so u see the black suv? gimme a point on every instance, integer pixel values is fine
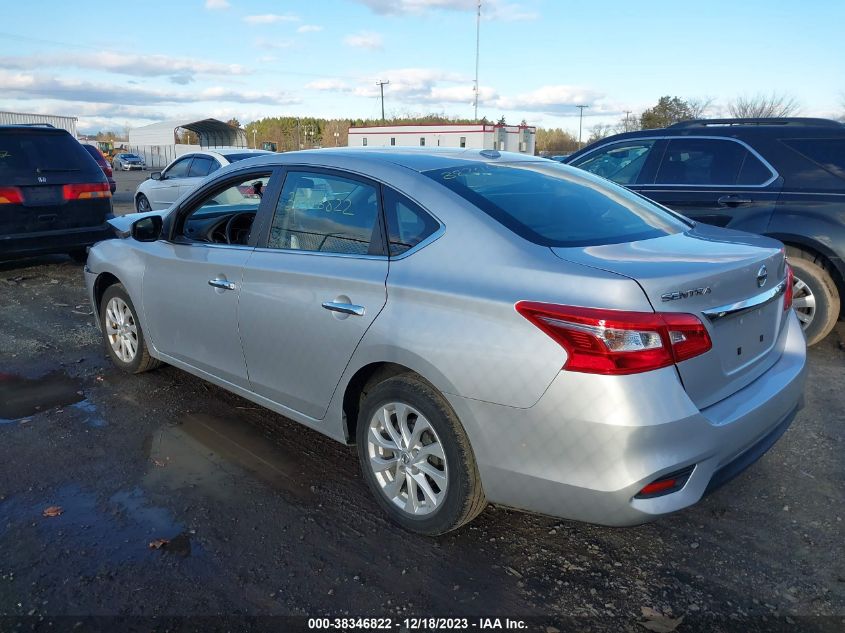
(779, 177)
(54, 198)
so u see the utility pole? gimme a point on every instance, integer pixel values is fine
(254, 132)
(477, 49)
(580, 120)
(627, 112)
(381, 85)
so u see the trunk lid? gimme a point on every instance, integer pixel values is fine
(713, 274)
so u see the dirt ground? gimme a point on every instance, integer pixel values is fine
(267, 518)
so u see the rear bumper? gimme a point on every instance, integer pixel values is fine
(593, 442)
(46, 242)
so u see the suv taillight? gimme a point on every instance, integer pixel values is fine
(10, 195)
(787, 293)
(616, 341)
(86, 191)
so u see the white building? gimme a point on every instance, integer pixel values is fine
(510, 138)
(23, 118)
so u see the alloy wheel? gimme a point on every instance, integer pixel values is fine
(143, 204)
(407, 459)
(804, 303)
(121, 329)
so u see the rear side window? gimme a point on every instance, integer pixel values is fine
(553, 205)
(620, 162)
(200, 167)
(325, 213)
(25, 154)
(700, 161)
(828, 153)
(407, 223)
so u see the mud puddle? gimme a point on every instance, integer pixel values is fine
(21, 397)
(212, 453)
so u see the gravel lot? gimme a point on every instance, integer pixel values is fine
(266, 517)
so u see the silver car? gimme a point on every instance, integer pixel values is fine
(484, 326)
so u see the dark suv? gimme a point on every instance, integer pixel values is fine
(54, 198)
(779, 177)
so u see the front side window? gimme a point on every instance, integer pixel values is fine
(325, 213)
(552, 205)
(179, 169)
(407, 223)
(620, 162)
(225, 215)
(697, 161)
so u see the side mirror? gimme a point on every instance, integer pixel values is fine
(156, 175)
(147, 229)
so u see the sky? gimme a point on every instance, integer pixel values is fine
(121, 64)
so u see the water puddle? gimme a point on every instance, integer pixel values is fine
(212, 453)
(89, 410)
(21, 397)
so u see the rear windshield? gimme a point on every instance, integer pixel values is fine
(550, 205)
(30, 153)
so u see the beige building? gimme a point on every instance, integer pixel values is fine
(510, 138)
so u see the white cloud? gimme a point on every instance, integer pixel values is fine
(269, 18)
(30, 86)
(364, 39)
(212, 5)
(181, 70)
(273, 44)
(552, 99)
(309, 28)
(331, 85)
(490, 10)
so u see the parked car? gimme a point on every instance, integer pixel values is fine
(163, 188)
(54, 197)
(127, 162)
(784, 178)
(97, 155)
(484, 326)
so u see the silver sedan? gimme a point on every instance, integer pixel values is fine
(483, 326)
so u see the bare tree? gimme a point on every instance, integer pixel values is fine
(700, 107)
(763, 106)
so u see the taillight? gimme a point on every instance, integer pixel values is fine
(10, 195)
(787, 294)
(107, 170)
(86, 191)
(617, 341)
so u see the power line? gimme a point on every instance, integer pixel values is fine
(381, 85)
(477, 50)
(580, 119)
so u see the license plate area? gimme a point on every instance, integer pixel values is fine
(42, 196)
(743, 339)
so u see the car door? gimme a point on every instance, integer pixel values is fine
(716, 181)
(312, 287)
(200, 167)
(192, 280)
(165, 191)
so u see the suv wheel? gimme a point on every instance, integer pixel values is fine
(815, 297)
(416, 457)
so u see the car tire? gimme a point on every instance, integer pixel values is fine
(815, 297)
(119, 320)
(142, 205)
(417, 463)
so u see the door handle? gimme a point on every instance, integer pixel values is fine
(733, 201)
(221, 283)
(344, 308)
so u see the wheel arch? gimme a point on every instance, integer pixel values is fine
(102, 283)
(821, 255)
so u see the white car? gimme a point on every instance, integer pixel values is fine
(163, 188)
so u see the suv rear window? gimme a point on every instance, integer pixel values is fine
(548, 204)
(828, 153)
(25, 153)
